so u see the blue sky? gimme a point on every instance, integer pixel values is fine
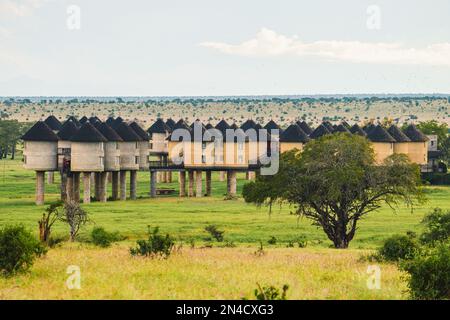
(205, 47)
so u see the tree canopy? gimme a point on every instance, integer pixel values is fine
(335, 182)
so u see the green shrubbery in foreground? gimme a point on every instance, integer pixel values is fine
(18, 249)
(427, 262)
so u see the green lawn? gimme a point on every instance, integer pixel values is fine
(185, 218)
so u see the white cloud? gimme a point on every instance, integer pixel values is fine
(270, 43)
(19, 8)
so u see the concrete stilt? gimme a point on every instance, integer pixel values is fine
(222, 176)
(123, 185)
(208, 183)
(50, 177)
(153, 175)
(231, 183)
(198, 184)
(182, 181)
(40, 187)
(63, 186)
(76, 186)
(92, 178)
(115, 185)
(86, 187)
(190, 183)
(133, 180)
(69, 187)
(103, 182)
(97, 185)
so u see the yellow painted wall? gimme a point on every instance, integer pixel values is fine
(286, 146)
(382, 150)
(401, 147)
(418, 152)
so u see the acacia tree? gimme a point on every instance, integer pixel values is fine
(335, 182)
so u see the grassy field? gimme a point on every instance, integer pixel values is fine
(312, 272)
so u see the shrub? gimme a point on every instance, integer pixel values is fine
(18, 249)
(270, 293)
(214, 232)
(437, 227)
(429, 274)
(156, 245)
(398, 247)
(101, 237)
(272, 240)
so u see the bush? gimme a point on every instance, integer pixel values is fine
(101, 237)
(214, 232)
(18, 249)
(270, 293)
(156, 245)
(398, 247)
(437, 227)
(429, 274)
(272, 240)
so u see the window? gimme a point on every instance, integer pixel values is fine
(137, 145)
(136, 160)
(117, 146)
(101, 160)
(151, 145)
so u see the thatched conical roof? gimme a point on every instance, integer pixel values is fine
(40, 131)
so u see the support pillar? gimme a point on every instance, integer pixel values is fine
(97, 185)
(50, 177)
(103, 181)
(222, 176)
(40, 187)
(86, 187)
(198, 184)
(191, 183)
(115, 185)
(182, 180)
(208, 183)
(69, 187)
(76, 187)
(63, 186)
(123, 185)
(231, 183)
(133, 176)
(153, 175)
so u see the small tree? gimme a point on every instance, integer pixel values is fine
(75, 216)
(49, 217)
(335, 182)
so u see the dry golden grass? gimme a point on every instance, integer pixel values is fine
(202, 273)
